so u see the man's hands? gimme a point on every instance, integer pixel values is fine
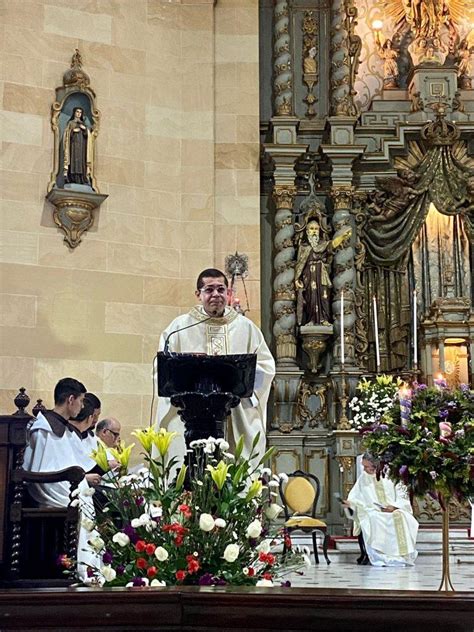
(93, 479)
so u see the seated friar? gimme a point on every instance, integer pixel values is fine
(55, 444)
(52, 441)
(384, 517)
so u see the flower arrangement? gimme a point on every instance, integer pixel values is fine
(376, 400)
(209, 529)
(425, 439)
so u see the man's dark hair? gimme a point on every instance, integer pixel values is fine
(102, 425)
(86, 411)
(93, 399)
(68, 386)
(214, 273)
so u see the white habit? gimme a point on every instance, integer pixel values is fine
(390, 538)
(231, 334)
(55, 445)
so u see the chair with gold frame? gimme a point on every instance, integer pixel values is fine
(300, 496)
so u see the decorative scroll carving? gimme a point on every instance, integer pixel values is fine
(283, 286)
(310, 60)
(314, 416)
(283, 78)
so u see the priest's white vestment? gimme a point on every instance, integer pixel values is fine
(231, 334)
(390, 538)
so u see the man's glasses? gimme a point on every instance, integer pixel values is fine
(116, 434)
(210, 289)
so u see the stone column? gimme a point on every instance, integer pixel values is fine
(340, 75)
(282, 77)
(284, 307)
(344, 274)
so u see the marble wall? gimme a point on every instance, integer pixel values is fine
(177, 86)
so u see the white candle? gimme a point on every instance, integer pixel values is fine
(376, 333)
(342, 326)
(415, 331)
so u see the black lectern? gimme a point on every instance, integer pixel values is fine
(204, 388)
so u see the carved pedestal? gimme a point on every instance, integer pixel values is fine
(315, 338)
(74, 212)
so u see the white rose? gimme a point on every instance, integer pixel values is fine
(157, 582)
(231, 552)
(108, 573)
(121, 539)
(254, 529)
(88, 524)
(97, 544)
(136, 522)
(264, 546)
(161, 554)
(206, 522)
(264, 582)
(272, 511)
(220, 523)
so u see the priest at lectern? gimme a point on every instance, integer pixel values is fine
(214, 328)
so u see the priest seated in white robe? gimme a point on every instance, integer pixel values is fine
(383, 515)
(214, 328)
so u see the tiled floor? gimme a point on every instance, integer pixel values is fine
(423, 576)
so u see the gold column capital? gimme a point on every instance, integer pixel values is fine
(284, 195)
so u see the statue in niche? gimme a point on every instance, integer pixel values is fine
(78, 150)
(463, 63)
(390, 63)
(309, 62)
(312, 280)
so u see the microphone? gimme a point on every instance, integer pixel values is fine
(167, 341)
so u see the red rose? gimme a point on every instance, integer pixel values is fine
(141, 562)
(270, 558)
(267, 576)
(152, 571)
(251, 571)
(140, 546)
(178, 540)
(185, 510)
(150, 549)
(180, 575)
(262, 557)
(193, 565)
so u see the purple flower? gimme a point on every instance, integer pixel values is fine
(443, 413)
(421, 387)
(138, 581)
(120, 570)
(383, 427)
(218, 581)
(126, 503)
(403, 472)
(441, 383)
(464, 388)
(107, 557)
(139, 501)
(90, 572)
(286, 584)
(132, 534)
(206, 580)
